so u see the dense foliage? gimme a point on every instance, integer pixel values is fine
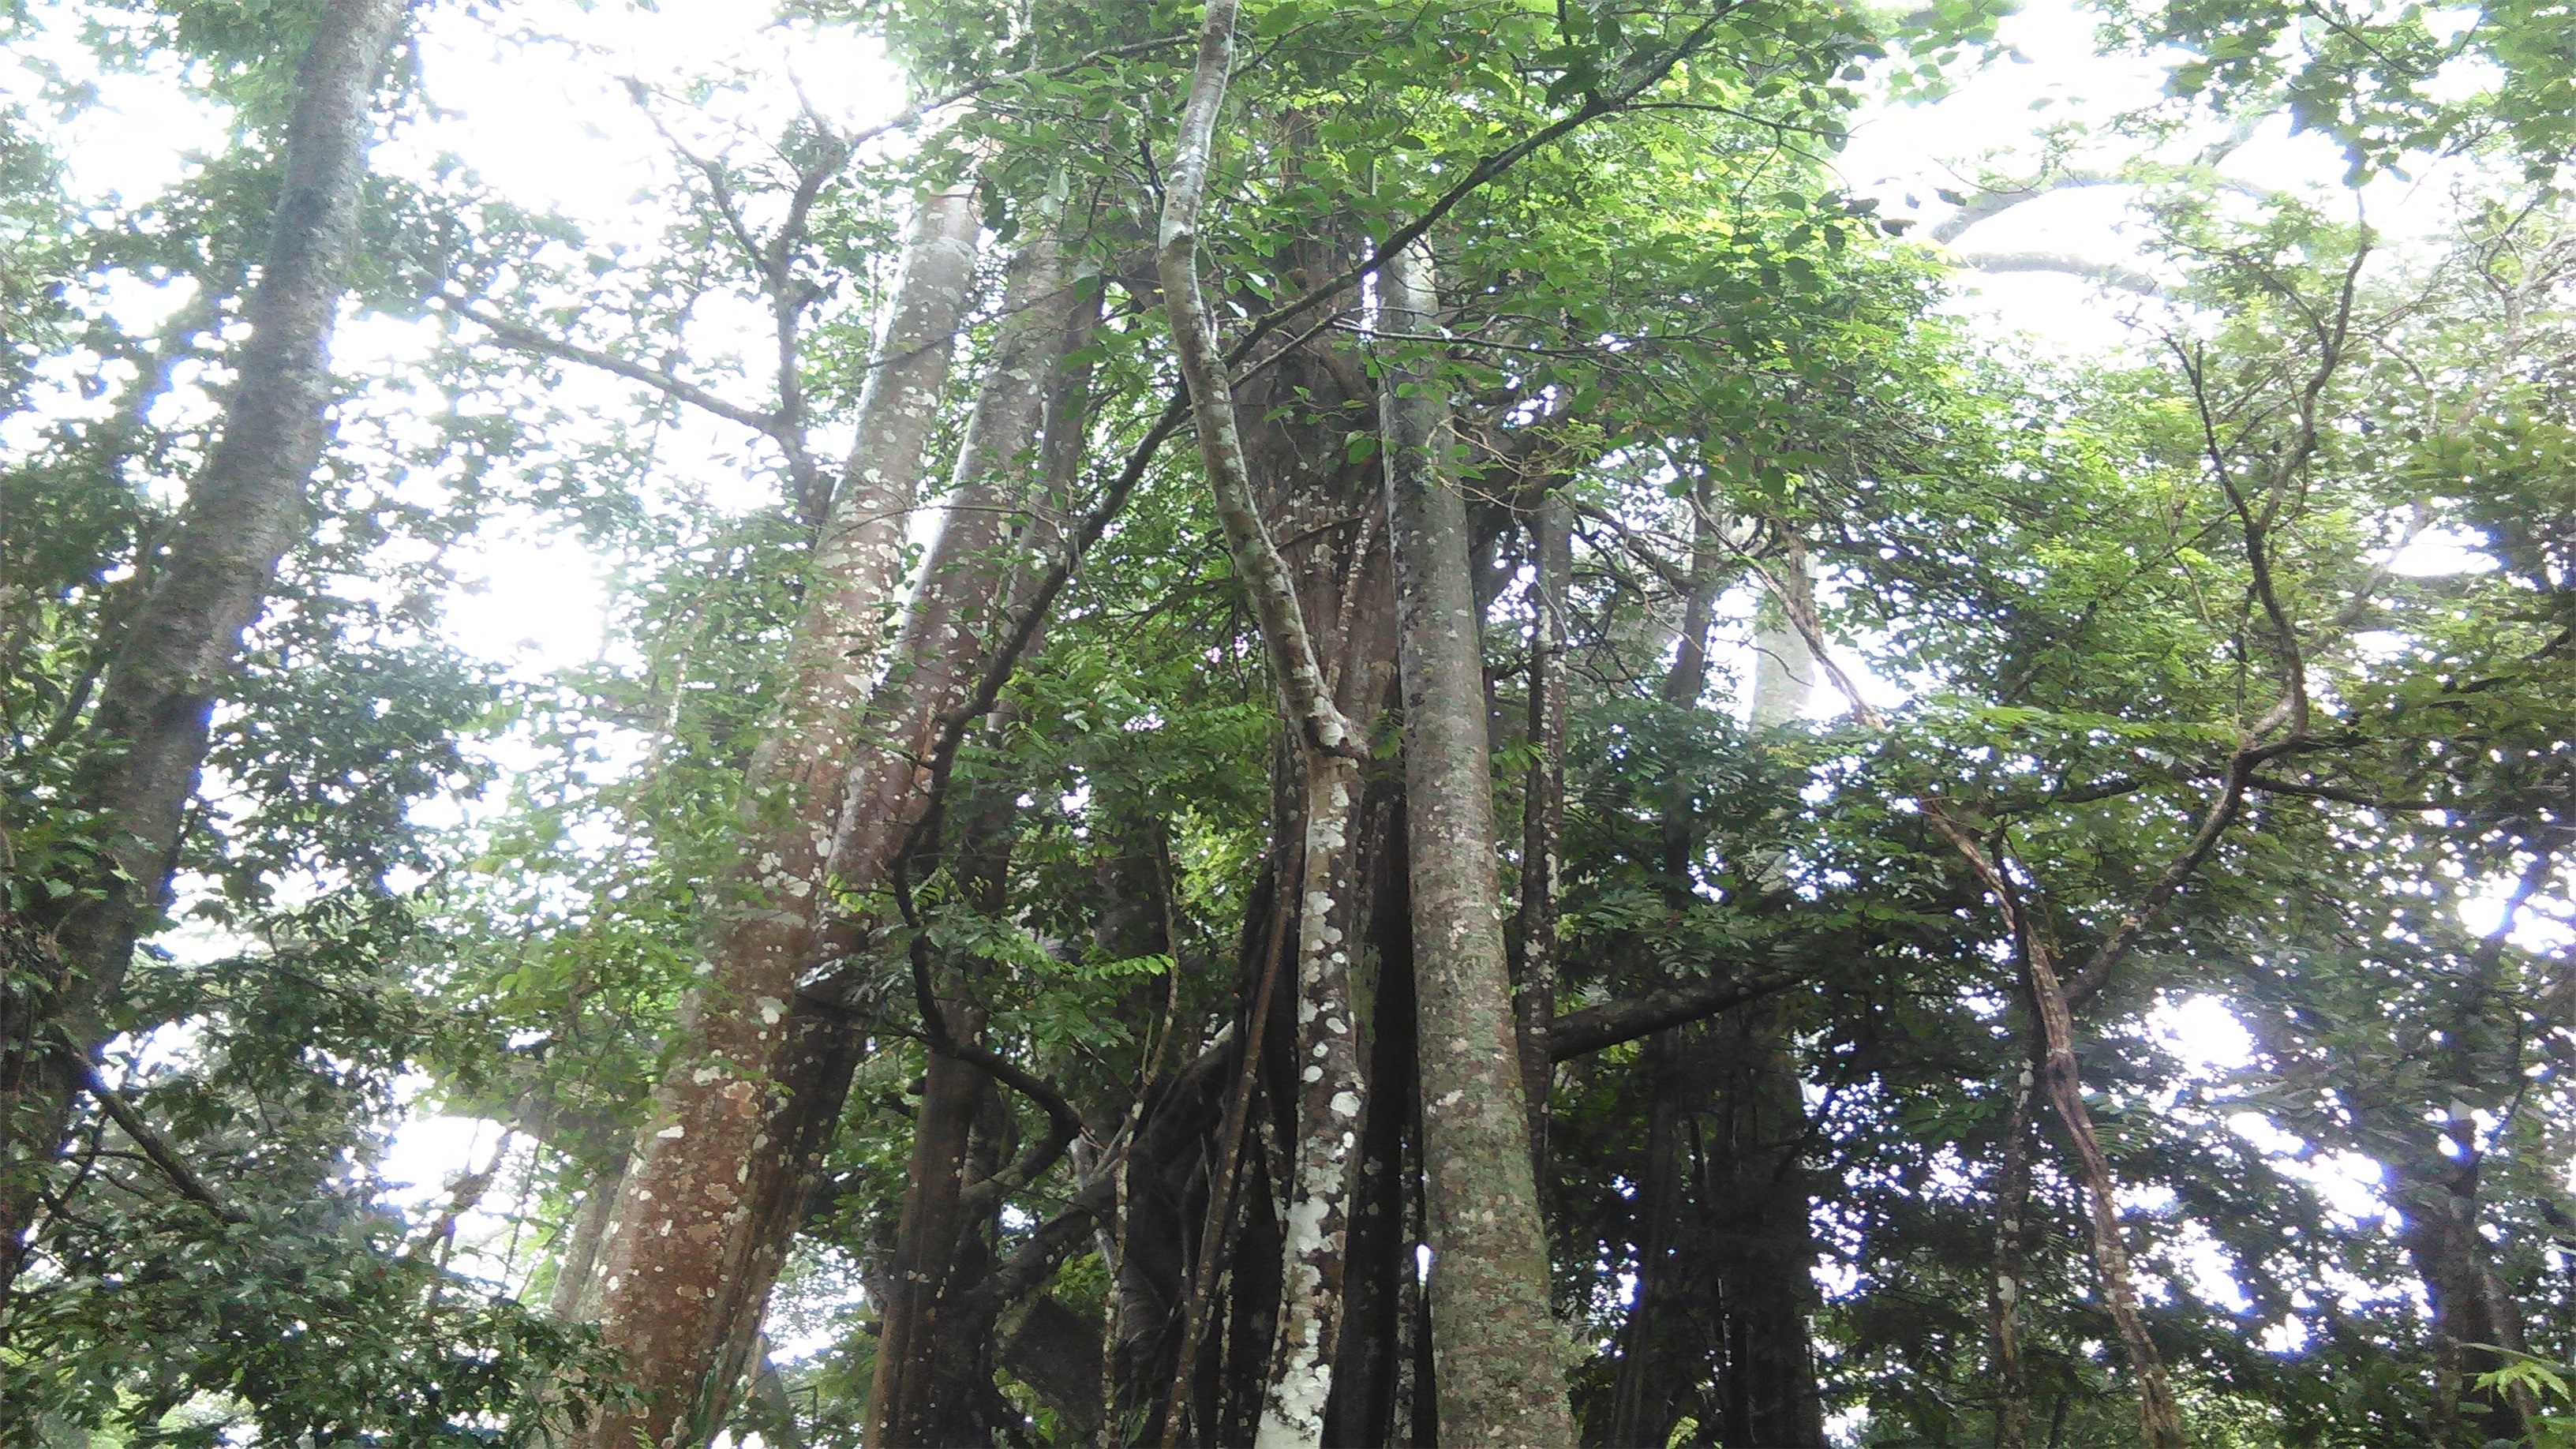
(2037, 886)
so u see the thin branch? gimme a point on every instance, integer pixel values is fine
(530, 339)
(913, 114)
(156, 1147)
(1494, 164)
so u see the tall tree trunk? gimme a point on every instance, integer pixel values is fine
(1327, 1089)
(2477, 1328)
(1500, 1356)
(1784, 668)
(245, 509)
(966, 575)
(576, 1267)
(1651, 1376)
(1381, 1262)
(1329, 1096)
(698, 1240)
(1768, 1383)
(1543, 813)
(1757, 1220)
(2004, 1292)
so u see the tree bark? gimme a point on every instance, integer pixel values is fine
(576, 1266)
(1329, 1090)
(2160, 1420)
(1499, 1355)
(2003, 1296)
(245, 509)
(901, 1406)
(1381, 1263)
(912, 1401)
(1543, 814)
(698, 1241)
(1649, 1379)
(1759, 1230)
(2477, 1328)
(1329, 1098)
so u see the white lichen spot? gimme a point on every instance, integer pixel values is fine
(674, 1131)
(1346, 1104)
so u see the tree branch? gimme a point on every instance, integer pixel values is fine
(1595, 1028)
(530, 339)
(157, 1148)
(2109, 274)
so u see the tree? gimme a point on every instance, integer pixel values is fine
(147, 738)
(2031, 912)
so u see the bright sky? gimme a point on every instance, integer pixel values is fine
(554, 129)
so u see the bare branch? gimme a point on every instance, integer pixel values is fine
(2109, 274)
(530, 339)
(1597, 1027)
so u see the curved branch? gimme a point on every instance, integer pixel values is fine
(2109, 274)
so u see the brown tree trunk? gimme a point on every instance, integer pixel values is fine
(245, 509)
(1381, 1261)
(902, 1403)
(576, 1267)
(698, 1240)
(933, 669)
(1500, 1356)
(2477, 1326)
(1649, 1377)
(1764, 1245)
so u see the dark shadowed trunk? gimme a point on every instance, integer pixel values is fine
(1757, 1217)
(1380, 1262)
(244, 510)
(2003, 1294)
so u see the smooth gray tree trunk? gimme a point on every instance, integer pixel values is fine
(1500, 1359)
